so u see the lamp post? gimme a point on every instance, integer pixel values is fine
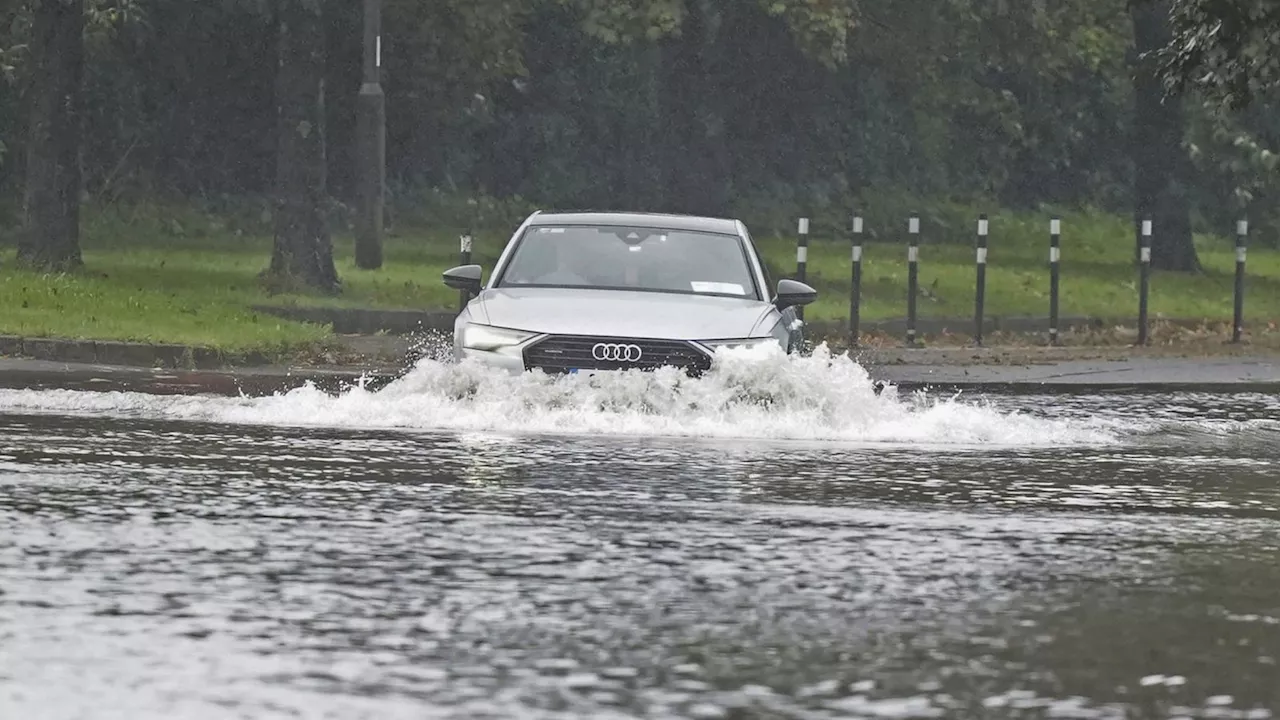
(372, 152)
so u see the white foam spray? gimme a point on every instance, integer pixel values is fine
(755, 394)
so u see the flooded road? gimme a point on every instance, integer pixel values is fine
(1057, 556)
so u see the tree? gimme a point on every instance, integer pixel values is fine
(371, 139)
(1225, 53)
(575, 103)
(302, 256)
(695, 157)
(694, 69)
(1161, 165)
(1228, 48)
(50, 239)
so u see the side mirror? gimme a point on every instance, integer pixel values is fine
(792, 293)
(464, 277)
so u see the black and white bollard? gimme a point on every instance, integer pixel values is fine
(1242, 250)
(855, 292)
(802, 257)
(464, 258)
(1144, 285)
(1055, 257)
(980, 296)
(913, 259)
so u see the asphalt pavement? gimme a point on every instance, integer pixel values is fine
(1144, 373)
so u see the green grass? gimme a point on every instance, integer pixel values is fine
(165, 274)
(176, 276)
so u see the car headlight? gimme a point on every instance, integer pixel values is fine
(743, 343)
(487, 337)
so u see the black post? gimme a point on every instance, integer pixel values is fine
(855, 294)
(913, 257)
(981, 295)
(802, 257)
(1055, 256)
(1242, 249)
(464, 258)
(372, 143)
(1144, 287)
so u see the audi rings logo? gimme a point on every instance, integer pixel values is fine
(616, 353)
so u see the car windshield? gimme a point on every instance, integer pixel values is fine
(630, 258)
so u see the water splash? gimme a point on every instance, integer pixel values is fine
(756, 394)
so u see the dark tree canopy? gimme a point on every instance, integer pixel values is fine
(1160, 164)
(303, 252)
(580, 102)
(50, 237)
(1229, 48)
(755, 107)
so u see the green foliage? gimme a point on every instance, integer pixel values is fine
(1228, 48)
(615, 22)
(977, 95)
(1226, 55)
(15, 23)
(795, 105)
(103, 16)
(822, 28)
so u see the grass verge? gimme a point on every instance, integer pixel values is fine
(178, 275)
(175, 275)
(1098, 276)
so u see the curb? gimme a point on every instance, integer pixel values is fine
(1051, 387)
(256, 382)
(362, 321)
(103, 352)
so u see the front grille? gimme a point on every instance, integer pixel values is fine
(564, 353)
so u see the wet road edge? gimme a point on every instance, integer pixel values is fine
(1225, 375)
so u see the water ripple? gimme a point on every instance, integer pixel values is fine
(152, 568)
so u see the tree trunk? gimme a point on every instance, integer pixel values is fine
(50, 239)
(371, 144)
(1161, 165)
(303, 253)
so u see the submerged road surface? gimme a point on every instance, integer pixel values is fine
(317, 557)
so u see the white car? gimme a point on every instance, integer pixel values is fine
(617, 291)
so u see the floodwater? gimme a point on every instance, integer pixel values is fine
(772, 541)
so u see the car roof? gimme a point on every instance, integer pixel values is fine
(692, 223)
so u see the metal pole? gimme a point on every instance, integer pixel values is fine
(1242, 249)
(980, 298)
(372, 141)
(1144, 257)
(464, 258)
(855, 295)
(1055, 256)
(913, 257)
(802, 257)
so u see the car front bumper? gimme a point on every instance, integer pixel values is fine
(556, 354)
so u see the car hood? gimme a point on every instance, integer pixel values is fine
(620, 313)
